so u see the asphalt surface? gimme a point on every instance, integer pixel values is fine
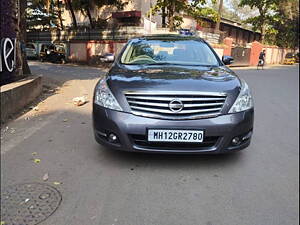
(258, 186)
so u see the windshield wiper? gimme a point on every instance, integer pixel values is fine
(159, 63)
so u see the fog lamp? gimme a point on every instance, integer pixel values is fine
(236, 141)
(112, 138)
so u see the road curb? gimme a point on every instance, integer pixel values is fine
(15, 96)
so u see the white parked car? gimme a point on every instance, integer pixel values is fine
(31, 51)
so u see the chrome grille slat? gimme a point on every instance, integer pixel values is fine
(168, 98)
(150, 103)
(167, 105)
(174, 117)
(172, 94)
(204, 104)
(157, 105)
(170, 112)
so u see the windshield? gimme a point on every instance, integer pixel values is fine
(183, 52)
(30, 46)
(60, 48)
(289, 55)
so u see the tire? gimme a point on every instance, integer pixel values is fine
(63, 61)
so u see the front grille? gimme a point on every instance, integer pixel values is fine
(157, 104)
(142, 142)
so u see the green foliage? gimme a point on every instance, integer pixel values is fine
(260, 4)
(46, 14)
(199, 12)
(286, 24)
(42, 14)
(175, 9)
(85, 6)
(278, 21)
(171, 7)
(233, 11)
(265, 8)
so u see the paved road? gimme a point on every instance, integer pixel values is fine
(258, 186)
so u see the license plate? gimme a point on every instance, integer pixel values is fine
(175, 135)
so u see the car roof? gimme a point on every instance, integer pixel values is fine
(173, 37)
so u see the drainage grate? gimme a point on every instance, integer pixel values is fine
(28, 204)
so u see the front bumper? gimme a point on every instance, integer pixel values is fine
(131, 131)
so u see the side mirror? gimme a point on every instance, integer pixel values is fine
(108, 58)
(227, 60)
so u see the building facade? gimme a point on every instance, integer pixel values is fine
(135, 11)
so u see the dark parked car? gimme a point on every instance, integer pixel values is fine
(172, 94)
(53, 53)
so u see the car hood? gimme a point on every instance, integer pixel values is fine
(162, 78)
(123, 78)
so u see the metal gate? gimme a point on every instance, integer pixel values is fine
(241, 56)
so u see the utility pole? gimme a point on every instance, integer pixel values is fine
(217, 28)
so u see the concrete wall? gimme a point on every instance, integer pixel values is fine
(228, 46)
(219, 51)
(256, 49)
(78, 52)
(275, 55)
(209, 37)
(81, 52)
(118, 47)
(98, 48)
(15, 96)
(189, 23)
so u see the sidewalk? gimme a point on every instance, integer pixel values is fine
(270, 66)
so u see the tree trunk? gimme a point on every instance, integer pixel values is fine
(163, 17)
(262, 12)
(171, 11)
(59, 15)
(22, 36)
(263, 32)
(217, 28)
(88, 12)
(70, 7)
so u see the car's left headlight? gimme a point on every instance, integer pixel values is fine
(244, 100)
(104, 97)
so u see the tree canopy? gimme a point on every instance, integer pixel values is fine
(45, 14)
(175, 9)
(85, 7)
(42, 14)
(278, 21)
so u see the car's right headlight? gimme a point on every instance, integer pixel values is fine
(244, 101)
(104, 97)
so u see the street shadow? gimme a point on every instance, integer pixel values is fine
(54, 79)
(62, 73)
(71, 135)
(139, 159)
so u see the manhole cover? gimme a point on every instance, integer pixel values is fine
(28, 204)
